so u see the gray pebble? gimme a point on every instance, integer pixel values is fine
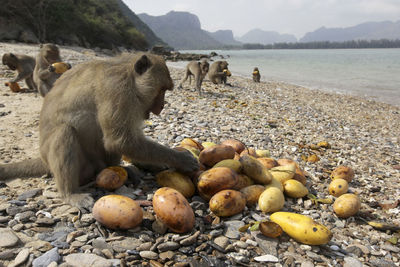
(45, 259)
(150, 255)
(168, 246)
(352, 262)
(8, 238)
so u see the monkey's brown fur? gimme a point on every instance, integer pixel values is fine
(24, 65)
(44, 75)
(94, 115)
(216, 72)
(256, 75)
(198, 70)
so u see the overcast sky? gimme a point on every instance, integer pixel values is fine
(284, 16)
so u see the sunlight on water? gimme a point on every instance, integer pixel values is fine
(374, 73)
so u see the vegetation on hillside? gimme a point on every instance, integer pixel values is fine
(86, 22)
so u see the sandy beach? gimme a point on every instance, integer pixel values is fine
(285, 119)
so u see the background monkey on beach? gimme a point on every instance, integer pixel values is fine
(94, 115)
(198, 70)
(218, 72)
(256, 75)
(44, 74)
(24, 65)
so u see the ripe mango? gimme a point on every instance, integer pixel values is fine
(302, 228)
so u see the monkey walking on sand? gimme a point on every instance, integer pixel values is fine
(198, 70)
(24, 65)
(256, 75)
(92, 116)
(44, 74)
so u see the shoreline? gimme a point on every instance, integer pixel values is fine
(322, 89)
(368, 74)
(283, 118)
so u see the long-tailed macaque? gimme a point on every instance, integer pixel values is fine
(44, 74)
(94, 115)
(199, 70)
(218, 72)
(24, 65)
(256, 75)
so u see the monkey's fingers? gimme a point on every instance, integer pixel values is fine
(187, 162)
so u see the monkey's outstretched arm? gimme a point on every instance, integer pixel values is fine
(145, 150)
(22, 75)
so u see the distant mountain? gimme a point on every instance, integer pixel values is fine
(257, 36)
(365, 31)
(181, 30)
(151, 38)
(224, 37)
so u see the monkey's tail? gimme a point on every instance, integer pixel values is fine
(26, 168)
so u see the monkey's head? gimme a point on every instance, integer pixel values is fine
(10, 60)
(50, 52)
(255, 69)
(204, 66)
(223, 65)
(152, 79)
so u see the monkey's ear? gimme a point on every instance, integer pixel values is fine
(142, 65)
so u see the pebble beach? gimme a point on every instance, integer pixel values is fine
(38, 229)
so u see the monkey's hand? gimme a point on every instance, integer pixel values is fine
(51, 68)
(80, 201)
(186, 162)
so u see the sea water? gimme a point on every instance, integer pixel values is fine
(371, 73)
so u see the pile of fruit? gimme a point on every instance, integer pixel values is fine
(230, 178)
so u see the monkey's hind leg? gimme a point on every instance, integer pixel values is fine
(31, 85)
(184, 79)
(69, 166)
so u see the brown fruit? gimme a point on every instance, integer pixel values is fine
(236, 144)
(338, 187)
(117, 212)
(268, 162)
(346, 205)
(61, 67)
(212, 155)
(216, 179)
(227, 203)
(172, 208)
(14, 87)
(270, 229)
(177, 181)
(299, 175)
(343, 172)
(112, 178)
(243, 181)
(252, 193)
(193, 143)
(249, 151)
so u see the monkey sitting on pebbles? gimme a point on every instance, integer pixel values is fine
(92, 116)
